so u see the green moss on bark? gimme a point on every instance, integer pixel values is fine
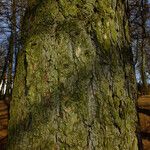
(74, 94)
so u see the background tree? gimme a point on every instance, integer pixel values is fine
(2, 58)
(139, 23)
(4, 34)
(10, 24)
(75, 77)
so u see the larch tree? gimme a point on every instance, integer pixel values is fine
(74, 87)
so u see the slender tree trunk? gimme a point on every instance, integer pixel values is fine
(12, 48)
(143, 52)
(143, 70)
(75, 86)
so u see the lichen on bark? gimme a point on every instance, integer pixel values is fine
(73, 80)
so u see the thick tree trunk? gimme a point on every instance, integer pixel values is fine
(75, 86)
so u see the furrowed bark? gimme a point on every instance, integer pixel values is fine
(75, 85)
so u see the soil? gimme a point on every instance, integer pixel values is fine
(144, 119)
(3, 124)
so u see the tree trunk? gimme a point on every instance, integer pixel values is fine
(11, 49)
(143, 52)
(75, 85)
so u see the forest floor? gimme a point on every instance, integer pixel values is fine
(143, 113)
(144, 119)
(3, 124)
